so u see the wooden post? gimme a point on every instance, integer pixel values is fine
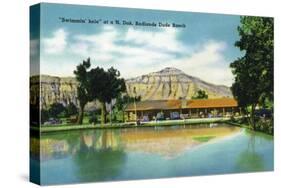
(223, 112)
(240, 111)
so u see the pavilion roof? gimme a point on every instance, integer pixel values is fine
(184, 104)
(212, 103)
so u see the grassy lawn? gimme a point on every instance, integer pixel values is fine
(86, 125)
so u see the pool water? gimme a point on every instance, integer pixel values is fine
(148, 152)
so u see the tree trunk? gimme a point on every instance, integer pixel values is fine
(253, 106)
(80, 115)
(103, 113)
(123, 116)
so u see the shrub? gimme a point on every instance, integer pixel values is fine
(71, 110)
(265, 125)
(56, 109)
(93, 117)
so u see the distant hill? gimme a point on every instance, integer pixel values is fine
(169, 83)
(55, 89)
(172, 83)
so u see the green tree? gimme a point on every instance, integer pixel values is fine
(97, 84)
(122, 102)
(253, 72)
(71, 109)
(200, 94)
(56, 109)
(105, 86)
(81, 75)
(93, 116)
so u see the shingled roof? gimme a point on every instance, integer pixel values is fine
(154, 105)
(212, 103)
(177, 104)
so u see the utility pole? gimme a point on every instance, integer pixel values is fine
(111, 112)
(135, 105)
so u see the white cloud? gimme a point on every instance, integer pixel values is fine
(166, 39)
(145, 47)
(135, 52)
(207, 63)
(55, 44)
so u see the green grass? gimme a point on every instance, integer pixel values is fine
(86, 125)
(55, 128)
(203, 138)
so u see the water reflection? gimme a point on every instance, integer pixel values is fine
(100, 156)
(168, 142)
(63, 144)
(115, 154)
(172, 141)
(250, 159)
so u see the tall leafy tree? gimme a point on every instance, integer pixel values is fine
(97, 84)
(122, 102)
(105, 86)
(253, 71)
(81, 75)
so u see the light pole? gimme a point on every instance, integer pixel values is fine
(135, 93)
(111, 112)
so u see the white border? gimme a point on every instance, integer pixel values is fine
(14, 77)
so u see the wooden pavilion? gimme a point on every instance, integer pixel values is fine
(195, 108)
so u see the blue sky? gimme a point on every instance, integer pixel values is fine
(204, 48)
